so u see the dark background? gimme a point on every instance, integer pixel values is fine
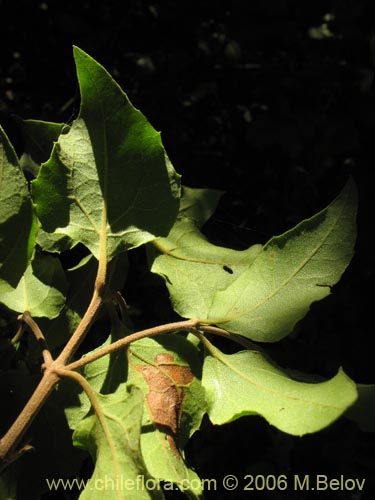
(269, 100)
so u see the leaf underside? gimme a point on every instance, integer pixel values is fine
(41, 290)
(260, 293)
(109, 176)
(113, 439)
(107, 183)
(174, 406)
(17, 222)
(247, 383)
(108, 375)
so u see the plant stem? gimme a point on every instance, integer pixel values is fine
(188, 325)
(27, 415)
(214, 330)
(90, 393)
(50, 376)
(27, 318)
(59, 367)
(83, 327)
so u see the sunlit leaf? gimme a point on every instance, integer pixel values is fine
(193, 268)
(108, 176)
(292, 271)
(260, 293)
(247, 383)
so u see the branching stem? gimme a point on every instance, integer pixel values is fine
(11, 439)
(80, 379)
(51, 367)
(26, 318)
(78, 336)
(62, 367)
(55, 369)
(188, 325)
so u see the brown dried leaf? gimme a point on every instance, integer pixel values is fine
(166, 381)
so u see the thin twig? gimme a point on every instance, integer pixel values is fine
(26, 318)
(190, 325)
(231, 336)
(17, 337)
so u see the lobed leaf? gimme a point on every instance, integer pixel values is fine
(260, 293)
(247, 383)
(41, 290)
(163, 459)
(292, 271)
(112, 437)
(18, 226)
(167, 371)
(39, 137)
(193, 268)
(109, 176)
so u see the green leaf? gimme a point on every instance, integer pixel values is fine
(292, 271)
(53, 242)
(168, 372)
(259, 293)
(193, 268)
(112, 437)
(199, 204)
(104, 376)
(39, 137)
(247, 383)
(41, 290)
(81, 280)
(8, 485)
(109, 177)
(18, 226)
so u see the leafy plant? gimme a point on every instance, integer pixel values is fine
(105, 183)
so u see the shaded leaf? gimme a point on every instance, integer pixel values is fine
(39, 137)
(104, 375)
(18, 226)
(109, 176)
(81, 281)
(113, 440)
(363, 410)
(8, 486)
(247, 383)
(168, 371)
(41, 290)
(53, 242)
